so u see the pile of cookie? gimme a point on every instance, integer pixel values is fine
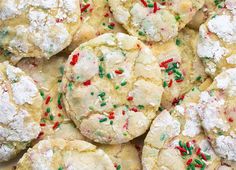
(117, 84)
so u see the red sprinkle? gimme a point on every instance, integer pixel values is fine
(180, 149)
(134, 109)
(198, 151)
(55, 125)
(112, 24)
(188, 144)
(171, 72)
(170, 83)
(106, 15)
(155, 8)
(130, 98)
(144, 3)
(85, 7)
(47, 100)
(42, 124)
(87, 83)
(123, 112)
(198, 165)
(203, 156)
(59, 106)
(74, 59)
(179, 81)
(230, 119)
(164, 63)
(111, 115)
(46, 114)
(118, 71)
(189, 161)
(126, 124)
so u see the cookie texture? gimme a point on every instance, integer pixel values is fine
(154, 20)
(96, 19)
(112, 88)
(20, 111)
(37, 28)
(217, 38)
(61, 154)
(176, 141)
(216, 109)
(180, 66)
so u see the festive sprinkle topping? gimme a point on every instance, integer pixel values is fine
(144, 3)
(47, 100)
(155, 8)
(84, 8)
(55, 126)
(87, 83)
(164, 63)
(74, 59)
(103, 120)
(130, 98)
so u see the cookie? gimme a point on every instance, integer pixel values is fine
(62, 154)
(181, 67)
(216, 45)
(112, 88)
(20, 111)
(216, 109)
(154, 20)
(38, 28)
(96, 19)
(176, 141)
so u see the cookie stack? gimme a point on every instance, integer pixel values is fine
(117, 84)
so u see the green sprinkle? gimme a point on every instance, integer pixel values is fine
(59, 98)
(118, 167)
(203, 166)
(61, 69)
(102, 94)
(140, 107)
(141, 33)
(150, 5)
(101, 59)
(164, 84)
(162, 137)
(48, 110)
(109, 75)
(177, 42)
(180, 143)
(101, 71)
(117, 87)
(51, 117)
(199, 78)
(192, 166)
(115, 106)
(42, 94)
(198, 161)
(123, 83)
(60, 168)
(177, 17)
(111, 27)
(92, 93)
(208, 157)
(111, 122)
(161, 108)
(103, 120)
(125, 134)
(70, 85)
(103, 104)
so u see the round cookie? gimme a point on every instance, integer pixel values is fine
(181, 67)
(154, 20)
(176, 141)
(217, 111)
(38, 28)
(112, 88)
(96, 19)
(63, 154)
(20, 111)
(217, 38)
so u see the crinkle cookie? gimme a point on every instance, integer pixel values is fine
(154, 20)
(62, 154)
(96, 19)
(38, 28)
(217, 111)
(20, 111)
(217, 39)
(112, 88)
(176, 141)
(181, 67)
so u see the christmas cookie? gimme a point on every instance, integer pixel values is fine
(20, 111)
(112, 88)
(154, 20)
(38, 28)
(62, 154)
(181, 67)
(176, 141)
(217, 38)
(217, 111)
(96, 19)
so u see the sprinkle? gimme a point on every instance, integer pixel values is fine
(125, 126)
(203, 156)
(42, 94)
(70, 85)
(189, 161)
(144, 3)
(51, 117)
(103, 104)
(102, 94)
(111, 122)
(56, 124)
(59, 99)
(85, 8)
(164, 63)
(140, 107)
(60, 168)
(141, 33)
(109, 75)
(101, 71)
(87, 83)
(150, 5)
(199, 78)
(177, 17)
(179, 80)
(134, 109)
(42, 124)
(74, 59)
(47, 100)
(106, 15)
(103, 120)
(164, 84)
(198, 161)
(170, 83)
(59, 106)
(198, 151)
(230, 119)
(118, 167)
(155, 8)
(123, 112)
(48, 110)
(130, 98)
(188, 144)
(177, 42)
(123, 83)
(198, 165)
(181, 149)
(111, 115)
(119, 71)
(117, 87)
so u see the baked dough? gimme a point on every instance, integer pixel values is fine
(112, 88)
(20, 111)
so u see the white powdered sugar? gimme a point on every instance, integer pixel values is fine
(24, 90)
(209, 111)
(6, 152)
(224, 26)
(231, 59)
(208, 48)
(12, 72)
(225, 146)
(227, 81)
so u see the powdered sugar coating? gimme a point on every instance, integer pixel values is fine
(20, 113)
(157, 22)
(60, 153)
(43, 27)
(115, 82)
